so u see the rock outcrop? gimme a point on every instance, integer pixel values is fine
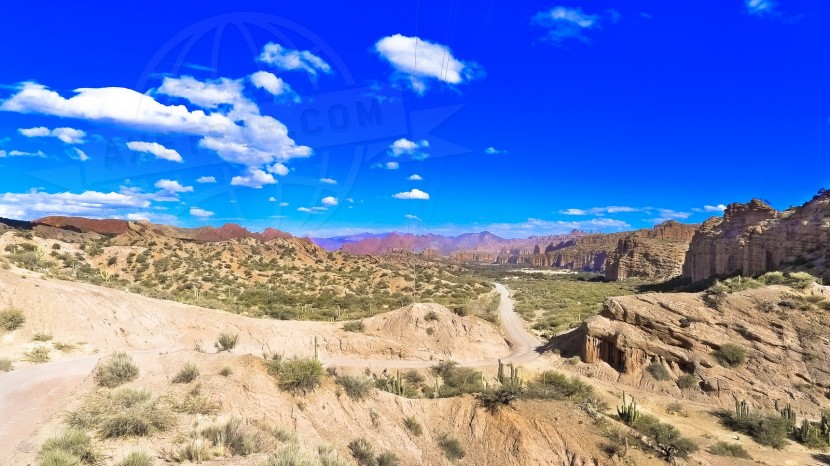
(754, 238)
(651, 253)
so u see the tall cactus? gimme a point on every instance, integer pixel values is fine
(316, 349)
(501, 372)
(741, 409)
(436, 390)
(628, 412)
(396, 385)
(805, 432)
(788, 413)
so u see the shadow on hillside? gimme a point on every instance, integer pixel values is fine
(822, 458)
(568, 344)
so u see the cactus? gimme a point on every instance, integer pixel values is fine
(804, 432)
(500, 375)
(824, 426)
(395, 385)
(316, 349)
(437, 388)
(628, 413)
(741, 409)
(788, 413)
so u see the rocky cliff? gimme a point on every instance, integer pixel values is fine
(754, 238)
(651, 253)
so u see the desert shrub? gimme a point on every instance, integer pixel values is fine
(41, 337)
(801, 280)
(456, 380)
(687, 381)
(194, 402)
(116, 370)
(388, 458)
(122, 413)
(187, 373)
(6, 365)
(658, 371)
(235, 437)
(298, 375)
(37, 355)
(194, 450)
(676, 408)
(11, 320)
(291, 455)
(414, 377)
(226, 341)
(732, 450)
(226, 371)
(771, 430)
(730, 355)
(413, 426)
(507, 393)
(356, 387)
(71, 447)
(283, 435)
(558, 386)
(431, 316)
(668, 439)
(773, 278)
(64, 347)
(451, 447)
(363, 452)
(354, 326)
(739, 283)
(137, 458)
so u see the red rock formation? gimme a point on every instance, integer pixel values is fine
(651, 253)
(86, 225)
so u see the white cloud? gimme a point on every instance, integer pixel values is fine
(493, 151)
(272, 199)
(287, 59)
(305, 209)
(205, 94)
(420, 61)
(36, 203)
(156, 149)
(535, 226)
(668, 214)
(412, 217)
(760, 7)
(67, 135)
(173, 186)
(392, 165)
(254, 179)
(19, 153)
(329, 200)
(240, 136)
(350, 200)
(271, 83)
(564, 23)
(81, 154)
(197, 212)
(414, 194)
(714, 208)
(283, 204)
(278, 169)
(600, 210)
(403, 146)
(415, 177)
(328, 180)
(206, 179)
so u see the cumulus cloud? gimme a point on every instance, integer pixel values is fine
(669, 214)
(306, 210)
(760, 7)
(600, 210)
(197, 212)
(420, 61)
(67, 135)
(272, 199)
(239, 135)
(415, 177)
(36, 203)
(412, 217)
(253, 179)
(535, 226)
(283, 204)
(329, 201)
(206, 179)
(328, 180)
(391, 165)
(566, 23)
(403, 146)
(271, 83)
(414, 194)
(173, 186)
(20, 153)
(286, 59)
(493, 151)
(156, 149)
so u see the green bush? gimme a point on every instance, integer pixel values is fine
(116, 370)
(298, 375)
(356, 387)
(354, 326)
(11, 320)
(658, 371)
(37, 355)
(504, 395)
(771, 430)
(41, 337)
(71, 447)
(557, 386)
(6, 365)
(732, 450)
(187, 374)
(451, 447)
(226, 371)
(414, 426)
(363, 452)
(122, 413)
(388, 458)
(236, 437)
(226, 341)
(456, 380)
(687, 381)
(137, 458)
(668, 439)
(730, 355)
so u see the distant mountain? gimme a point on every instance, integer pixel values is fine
(430, 243)
(335, 243)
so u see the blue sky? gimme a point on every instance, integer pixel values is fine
(528, 118)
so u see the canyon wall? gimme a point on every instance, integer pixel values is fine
(651, 253)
